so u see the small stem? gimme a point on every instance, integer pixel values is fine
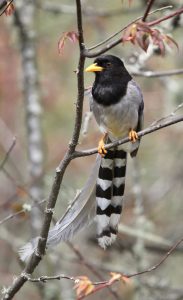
(149, 4)
(116, 42)
(5, 4)
(148, 130)
(176, 13)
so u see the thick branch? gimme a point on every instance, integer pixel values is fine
(40, 251)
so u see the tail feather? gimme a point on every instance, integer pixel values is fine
(80, 213)
(103, 197)
(110, 195)
(118, 190)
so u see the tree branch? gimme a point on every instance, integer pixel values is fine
(176, 13)
(40, 251)
(125, 27)
(4, 5)
(152, 128)
(8, 154)
(120, 40)
(116, 276)
(153, 268)
(148, 7)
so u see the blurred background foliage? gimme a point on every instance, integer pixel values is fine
(153, 203)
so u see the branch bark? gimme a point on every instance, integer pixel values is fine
(37, 256)
(152, 128)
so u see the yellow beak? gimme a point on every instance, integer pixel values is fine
(94, 68)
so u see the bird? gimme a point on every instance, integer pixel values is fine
(117, 104)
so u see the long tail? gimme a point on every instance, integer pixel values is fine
(80, 213)
(109, 195)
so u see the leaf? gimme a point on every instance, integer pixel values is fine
(72, 36)
(114, 277)
(10, 9)
(170, 41)
(83, 286)
(143, 40)
(141, 33)
(130, 34)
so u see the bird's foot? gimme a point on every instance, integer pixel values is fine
(133, 136)
(101, 147)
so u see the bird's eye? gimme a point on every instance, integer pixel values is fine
(108, 64)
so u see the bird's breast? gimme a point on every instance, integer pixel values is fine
(116, 119)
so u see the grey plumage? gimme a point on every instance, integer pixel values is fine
(79, 214)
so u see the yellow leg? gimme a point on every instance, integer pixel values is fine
(133, 136)
(101, 146)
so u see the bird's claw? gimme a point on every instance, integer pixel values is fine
(101, 148)
(133, 136)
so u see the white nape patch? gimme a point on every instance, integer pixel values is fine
(104, 183)
(120, 162)
(114, 220)
(117, 200)
(102, 222)
(107, 163)
(117, 181)
(103, 203)
(104, 241)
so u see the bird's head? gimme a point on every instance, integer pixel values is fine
(106, 64)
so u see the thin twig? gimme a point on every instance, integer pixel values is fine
(125, 27)
(90, 267)
(47, 278)
(153, 268)
(11, 216)
(8, 154)
(27, 208)
(5, 4)
(123, 276)
(158, 21)
(148, 7)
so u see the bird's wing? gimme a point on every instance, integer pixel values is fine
(140, 106)
(79, 214)
(141, 117)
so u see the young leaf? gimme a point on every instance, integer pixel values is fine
(83, 286)
(170, 41)
(72, 36)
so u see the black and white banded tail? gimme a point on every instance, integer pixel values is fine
(109, 195)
